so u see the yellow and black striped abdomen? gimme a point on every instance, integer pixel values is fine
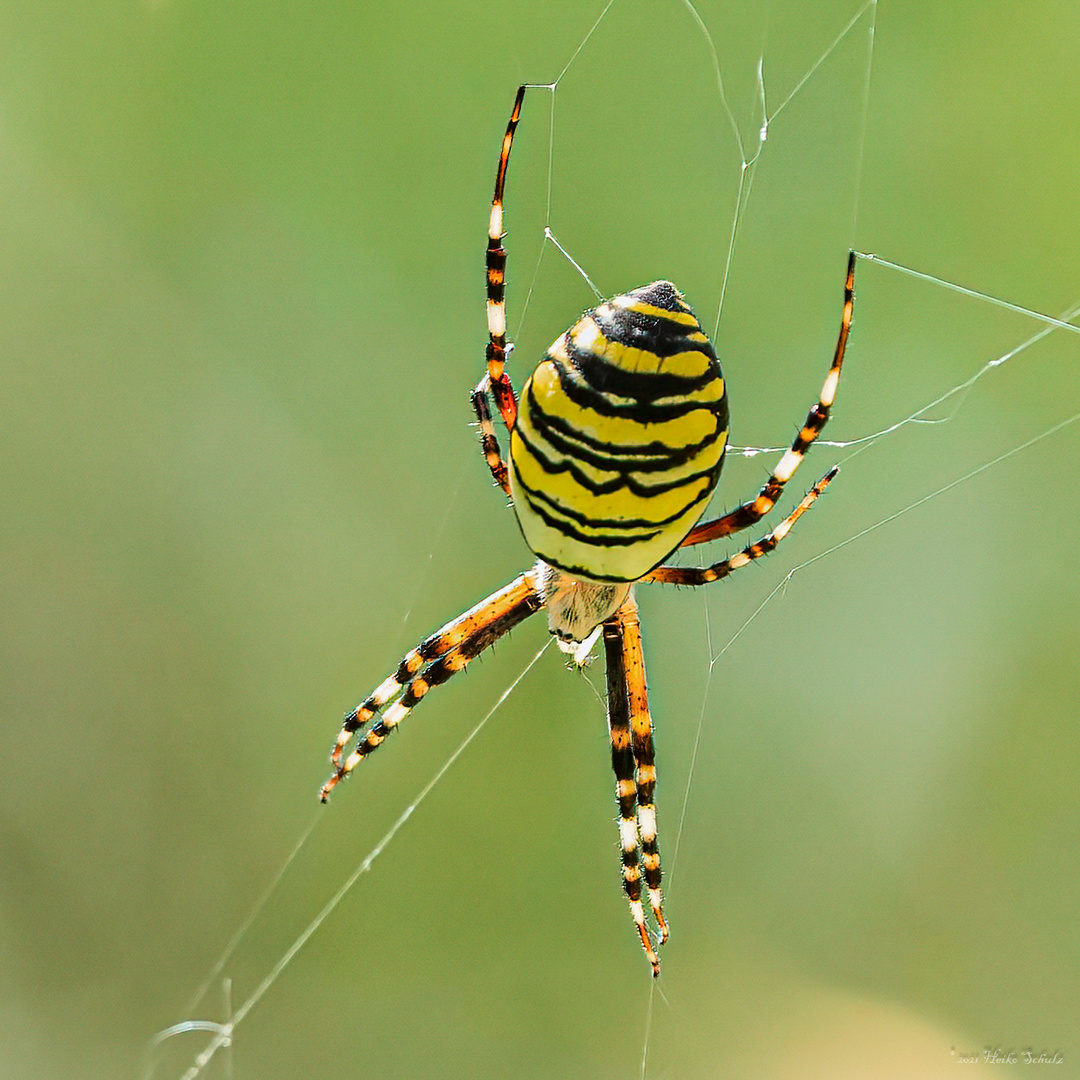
(620, 437)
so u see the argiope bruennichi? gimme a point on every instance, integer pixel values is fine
(616, 446)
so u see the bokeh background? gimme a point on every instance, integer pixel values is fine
(241, 294)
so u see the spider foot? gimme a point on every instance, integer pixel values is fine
(650, 952)
(324, 791)
(353, 722)
(638, 913)
(664, 931)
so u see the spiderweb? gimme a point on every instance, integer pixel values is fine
(810, 724)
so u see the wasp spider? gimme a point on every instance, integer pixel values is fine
(615, 447)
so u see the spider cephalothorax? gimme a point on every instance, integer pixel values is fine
(576, 607)
(615, 449)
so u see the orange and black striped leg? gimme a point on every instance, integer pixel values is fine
(702, 575)
(749, 513)
(498, 380)
(489, 443)
(431, 663)
(644, 756)
(621, 704)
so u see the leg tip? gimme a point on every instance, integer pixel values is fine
(324, 791)
(650, 952)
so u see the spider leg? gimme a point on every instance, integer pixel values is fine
(702, 575)
(496, 381)
(489, 443)
(644, 756)
(431, 663)
(633, 762)
(750, 512)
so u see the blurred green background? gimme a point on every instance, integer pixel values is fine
(241, 290)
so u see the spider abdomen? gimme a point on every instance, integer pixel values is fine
(620, 437)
